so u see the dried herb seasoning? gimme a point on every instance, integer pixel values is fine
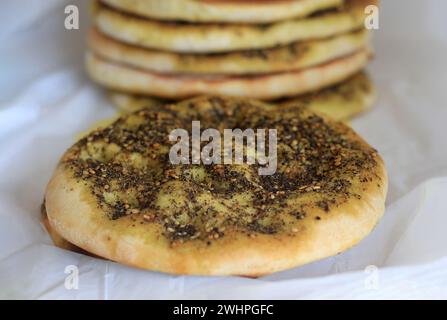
(126, 167)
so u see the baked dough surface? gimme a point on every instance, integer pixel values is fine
(265, 87)
(342, 101)
(247, 11)
(285, 58)
(214, 37)
(115, 194)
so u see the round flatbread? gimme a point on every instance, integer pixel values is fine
(340, 102)
(223, 10)
(265, 87)
(206, 38)
(285, 58)
(116, 194)
(127, 103)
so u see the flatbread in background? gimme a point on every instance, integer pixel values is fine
(127, 103)
(206, 38)
(295, 56)
(265, 87)
(340, 102)
(246, 11)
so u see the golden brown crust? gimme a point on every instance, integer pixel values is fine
(207, 38)
(264, 87)
(55, 237)
(126, 103)
(285, 58)
(58, 240)
(325, 228)
(259, 11)
(342, 101)
(265, 254)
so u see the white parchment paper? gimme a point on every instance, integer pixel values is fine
(46, 100)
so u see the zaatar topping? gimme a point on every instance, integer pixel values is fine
(126, 167)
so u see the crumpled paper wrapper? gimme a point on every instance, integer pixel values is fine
(47, 101)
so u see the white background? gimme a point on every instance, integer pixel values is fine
(46, 100)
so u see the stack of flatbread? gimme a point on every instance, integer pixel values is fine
(114, 193)
(310, 51)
